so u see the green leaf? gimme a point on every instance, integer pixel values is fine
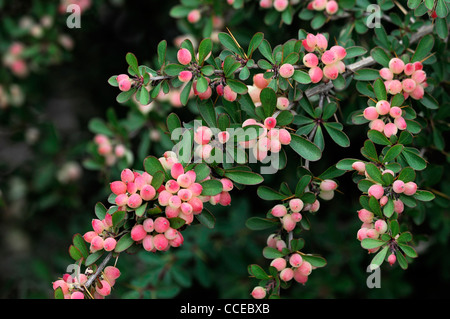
(254, 43)
(302, 183)
(266, 50)
(79, 242)
(366, 74)
(184, 96)
(355, 51)
(258, 223)
(140, 211)
(202, 171)
(388, 209)
(441, 9)
(407, 174)
(338, 136)
(244, 177)
(227, 41)
(392, 153)
(370, 243)
(152, 165)
(258, 272)
(92, 258)
(204, 48)
(58, 294)
(429, 101)
(408, 250)
(297, 244)
(305, 148)
(379, 258)
(272, 253)
(161, 49)
(208, 112)
(378, 137)
(211, 187)
(267, 193)
(424, 196)
(100, 210)
(315, 261)
(380, 56)
(173, 122)
(268, 99)
(237, 86)
(75, 253)
(380, 89)
(301, 77)
(132, 62)
(346, 164)
(423, 48)
(374, 172)
(176, 222)
(206, 218)
(124, 243)
(413, 159)
(403, 263)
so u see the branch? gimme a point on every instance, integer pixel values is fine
(99, 270)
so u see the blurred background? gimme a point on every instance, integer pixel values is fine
(57, 98)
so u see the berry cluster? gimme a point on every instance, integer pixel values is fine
(278, 5)
(254, 90)
(408, 79)
(324, 64)
(206, 140)
(330, 7)
(124, 82)
(14, 61)
(74, 287)
(289, 217)
(384, 118)
(270, 140)
(109, 149)
(102, 235)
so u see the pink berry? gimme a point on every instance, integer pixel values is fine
(109, 244)
(305, 268)
(138, 232)
(89, 235)
(127, 176)
(365, 216)
(329, 57)
(197, 205)
(418, 92)
(296, 205)
(163, 198)
(288, 222)
(194, 16)
(395, 87)
(172, 186)
(361, 234)
(392, 259)
(112, 272)
(377, 125)
(175, 201)
(96, 243)
(383, 107)
(121, 200)
(370, 113)
(229, 94)
(104, 288)
(339, 50)
(284, 136)
(360, 167)
(131, 188)
(310, 60)
(185, 76)
(386, 74)
(331, 7)
(203, 135)
(398, 186)
(279, 210)
(331, 71)
(186, 208)
(279, 263)
(286, 70)
(381, 226)
(395, 112)
(376, 191)
(125, 85)
(398, 206)
(300, 277)
(160, 242)
(196, 189)
(280, 5)
(410, 188)
(148, 225)
(396, 65)
(295, 260)
(287, 274)
(316, 74)
(322, 42)
(161, 224)
(184, 56)
(409, 69)
(98, 226)
(148, 192)
(328, 185)
(270, 123)
(259, 81)
(77, 295)
(408, 85)
(390, 129)
(296, 217)
(319, 5)
(134, 201)
(227, 184)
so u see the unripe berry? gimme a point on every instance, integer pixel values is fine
(282, 103)
(328, 185)
(104, 288)
(286, 70)
(134, 201)
(279, 263)
(185, 76)
(229, 94)
(127, 176)
(163, 198)
(383, 107)
(259, 81)
(227, 184)
(295, 260)
(266, 4)
(125, 85)
(396, 65)
(287, 274)
(361, 234)
(390, 129)
(160, 242)
(288, 223)
(109, 244)
(296, 217)
(258, 292)
(383, 200)
(376, 191)
(381, 226)
(395, 112)
(279, 210)
(280, 5)
(194, 16)
(138, 232)
(398, 186)
(365, 216)
(310, 60)
(392, 259)
(184, 56)
(410, 188)
(326, 195)
(296, 205)
(315, 206)
(372, 233)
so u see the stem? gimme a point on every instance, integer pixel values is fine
(99, 270)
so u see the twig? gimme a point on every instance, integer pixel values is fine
(99, 270)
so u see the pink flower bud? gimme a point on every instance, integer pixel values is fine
(286, 70)
(184, 56)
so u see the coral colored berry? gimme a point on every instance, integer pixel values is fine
(279, 210)
(381, 226)
(229, 94)
(287, 274)
(280, 5)
(286, 70)
(104, 288)
(392, 259)
(383, 107)
(386, 74)
(395, 112)
(360, 167)
(138, 232)
(125, 85)
(134, 201)
(270, 123)
(284, 136)
(109, 244)
(377, 125)
(185, 76)
(398, 186)
(279, 263)
(390, 129)
(148, 192)
(331, 7)
(194, 16)
(339, 50)
(410, 188)
(331, 71)
(77, 295)
(184, 56)
(161, 242)
(396, 65)
(316, 74)
(161, 224)
(295, 260)
(370, 113)
(310, 60)
(328, 185)
(365, 216)
(259, 81)
(296, 205)
(329, 57)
